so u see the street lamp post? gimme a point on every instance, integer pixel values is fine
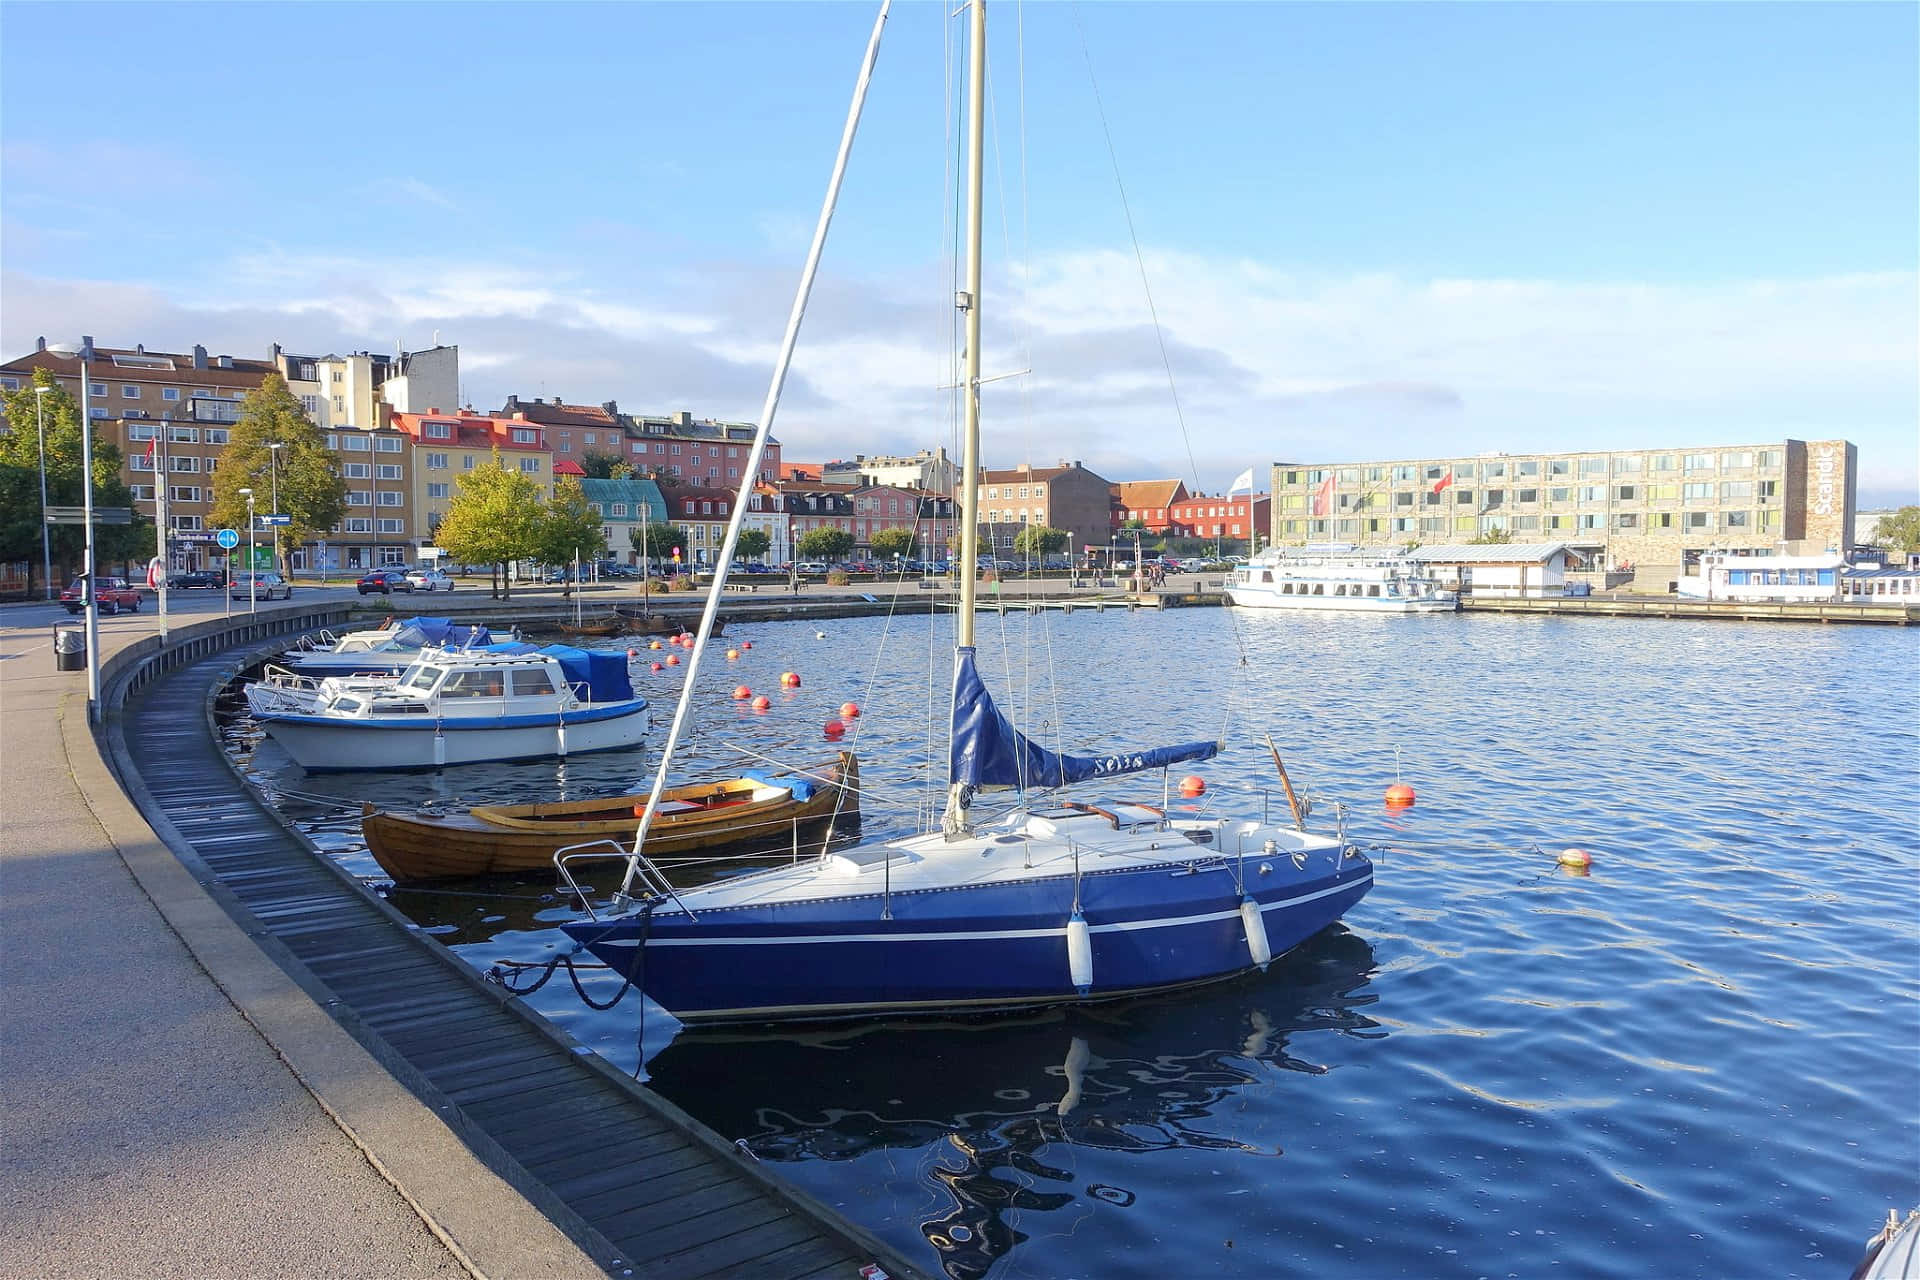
(85, 352)
(253, 576)
(46, 530)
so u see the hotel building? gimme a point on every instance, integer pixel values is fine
(1655, 510)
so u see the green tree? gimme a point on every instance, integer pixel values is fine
(20, 521)
(567, 528)
(826, 544)
(657, 541)
(889, 543)
(752, 545)
(302, 474)
(1491, 537)
(493, 519)
(1901, 530)
(1038, 540)
(603, 466)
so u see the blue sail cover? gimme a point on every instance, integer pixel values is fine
(602, 672)
(417, 633)
(988, 752)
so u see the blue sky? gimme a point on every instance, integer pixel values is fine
(1370, 230)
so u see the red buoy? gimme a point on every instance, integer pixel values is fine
(834, 728)
(849, 711)
(1193, 785)
(1579, 859)
(673, 659)
(762, 702)
(633, 653)
(746, 644)
(1399, 795)
(656, 666)
(742, 693)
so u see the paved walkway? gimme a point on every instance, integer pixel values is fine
(170, 1103)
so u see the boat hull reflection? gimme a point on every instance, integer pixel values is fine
(991, 1102)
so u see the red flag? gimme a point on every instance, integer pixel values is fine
(1323, 497)
(1443, 481)
(152, 440)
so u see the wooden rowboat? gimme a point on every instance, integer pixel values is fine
(771, 813)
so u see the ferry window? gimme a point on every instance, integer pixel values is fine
(424, 677)
(528, 684)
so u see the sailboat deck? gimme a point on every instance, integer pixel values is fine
(641, 1186)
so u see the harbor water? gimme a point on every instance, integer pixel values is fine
(1696, 1060)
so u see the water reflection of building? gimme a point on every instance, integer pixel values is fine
(991, 1104)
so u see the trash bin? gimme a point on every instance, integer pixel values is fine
(69, 646)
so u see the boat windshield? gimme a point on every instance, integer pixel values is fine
(422, 678)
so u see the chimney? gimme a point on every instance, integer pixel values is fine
(139, 348)
(685, 418)
(273, 352)
(513, 402)
(612, 407)
(199, 356)
(40, 344)
(226, 362)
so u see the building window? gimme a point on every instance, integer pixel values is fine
(388, 471)
(129, 393)
(466, 462)
(1593, 466)
(1526, 468)
(1735, 489)
(1627, 466)
(339, 404)
(1698, 462)
(391, 499)
(1735, 519)
(353, 442)
(188, 524)
(359, 497)
(437, 430)
(184, 435)
(1625, 492)
(1698, 521)
(139, 431)
(1626, 520)
(359, 524)
(439, 490)
(97, 388)
(310, 405)
(386, 444)
(169, 393)
(619, 509)
(1559, 467)
(183, 464)
(1767, 458)
(530, 466)
(1559, 495)
(1593, 493)
(183, 493)
(96, 412)
(216, 435)
(1696, 491)
(436, 462)
(11, 384)
(357, 470)
(1463, 497)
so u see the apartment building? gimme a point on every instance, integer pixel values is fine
(928, 471)
(1652, 509)
(1067, 496)
(623, 506)
(1232, 519)
(1149, 503)
(697, 451)
(448, 445)
(358, 389)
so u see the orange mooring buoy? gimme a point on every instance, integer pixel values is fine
(742, 693)
(762, 702)
(1193, 785)
(654, 645)
(833, 728)
(656, 666)
(1576, 858)
(632, 654)
(849, 711)
(1399, 795)
(673, 659)
(733, 655)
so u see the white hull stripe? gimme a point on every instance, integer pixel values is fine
(992, 935)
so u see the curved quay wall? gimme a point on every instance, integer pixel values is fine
(621, 1180)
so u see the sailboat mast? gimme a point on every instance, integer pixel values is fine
(969, 302)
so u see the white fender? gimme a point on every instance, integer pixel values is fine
(439, 747)
(563, 740)
(1080, 953)
(1256, 926)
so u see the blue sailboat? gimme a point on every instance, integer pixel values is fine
(1054, 901)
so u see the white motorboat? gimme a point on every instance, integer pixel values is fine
(390, 648)
(454, 707)
(1338, 576)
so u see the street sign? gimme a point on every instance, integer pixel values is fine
(78, 515)
(227, 538)
(276, 519)
(192, 535)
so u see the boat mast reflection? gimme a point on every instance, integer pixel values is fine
(992, 1104)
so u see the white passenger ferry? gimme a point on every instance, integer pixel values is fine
(1338, 576)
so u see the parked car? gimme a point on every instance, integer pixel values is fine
(111, 594)
(385, 581)
(811, 566)
(428, 580)
(248, 585)
(215, 578)
(619, 571)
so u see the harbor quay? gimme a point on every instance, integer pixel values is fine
(185, 1097)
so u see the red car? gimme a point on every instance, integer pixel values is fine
(112, 595)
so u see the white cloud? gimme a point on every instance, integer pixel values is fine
(1269, 364)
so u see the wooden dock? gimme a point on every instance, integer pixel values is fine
(641, 1186)
(1683, 607)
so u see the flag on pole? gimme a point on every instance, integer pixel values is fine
(1242, 481)
(152, 440)
(1323, 497)
(1443, 481)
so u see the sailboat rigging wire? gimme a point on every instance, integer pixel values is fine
(750, 469)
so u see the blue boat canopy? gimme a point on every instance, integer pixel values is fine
(989, 753)
(604, 673)
(418, 633)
